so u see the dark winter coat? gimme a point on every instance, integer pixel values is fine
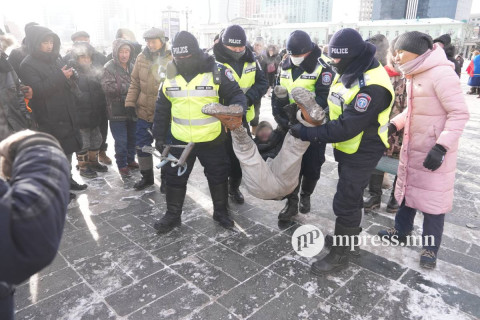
(33, 206)
(12, 98)
(116, 81)
(16, 57)
(53, 102)
(90, 99)
(450, 53)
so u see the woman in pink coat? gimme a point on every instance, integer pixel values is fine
(433, 123)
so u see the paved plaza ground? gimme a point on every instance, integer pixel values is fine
(112, 265)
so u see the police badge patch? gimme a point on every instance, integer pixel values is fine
(229, 75)
(326, 78)
(362, 102)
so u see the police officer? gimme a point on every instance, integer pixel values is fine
(147, 75)
(306, 67)
(360, 100)
(232, 52)
(193, 80)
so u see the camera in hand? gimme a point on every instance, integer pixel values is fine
(71, 64)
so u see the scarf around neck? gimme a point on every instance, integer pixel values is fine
(410, 66)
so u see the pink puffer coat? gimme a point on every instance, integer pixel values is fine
(436, 113)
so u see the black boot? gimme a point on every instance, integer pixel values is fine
(392, 205)
(374, 200)
(291, 207)
(337, 258)
(234, 191)
(163, 183)
(308, 186)
(172, 218)
(74, 185)
(219, 195)
(146, 181)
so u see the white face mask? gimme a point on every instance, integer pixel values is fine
(297, 60)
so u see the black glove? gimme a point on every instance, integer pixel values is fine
(391, 129)
(435, 157)
(131, 113)
(159, 145)
(296, 130)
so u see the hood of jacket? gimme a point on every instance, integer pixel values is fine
(308, 64)
(34, 37)
(221, 54)
(117, 44)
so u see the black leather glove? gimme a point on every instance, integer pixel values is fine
(435, 157)
(131, 113)
(391, 129)
(296, 130)
(159, 145)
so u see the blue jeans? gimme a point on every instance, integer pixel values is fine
(432, 225)
(123, 133)
(143, 136)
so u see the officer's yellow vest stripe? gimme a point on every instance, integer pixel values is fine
(189, 124)
(245, 82)
(305, 80)
(340, 97)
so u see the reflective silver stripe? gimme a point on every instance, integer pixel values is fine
(192, 93)
(176, 94)
(195, 122)
(383, 128)
(335, 100)
(245, 90)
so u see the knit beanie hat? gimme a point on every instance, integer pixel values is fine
(234, 36)
(184, 44)
(346, 43)
(414, 42)
(299, 42)
(444, 38)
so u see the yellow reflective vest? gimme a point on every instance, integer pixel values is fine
(305, 80)
(245, 82)
(188, 123)
(340, 97)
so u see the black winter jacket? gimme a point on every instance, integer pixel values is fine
(53, 102)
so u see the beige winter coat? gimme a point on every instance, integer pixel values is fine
(145, 83)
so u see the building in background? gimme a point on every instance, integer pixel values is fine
(170, 22)
(366, 10)
(421, 9)
(299, 11)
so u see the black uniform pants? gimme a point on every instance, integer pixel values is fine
(348, 200)
(212, 155)
(313, 160)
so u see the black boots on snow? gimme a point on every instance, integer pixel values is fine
(219, 195)
(337, 258)
(172, 218)
(308, 186)
(234, 191)
(374, 200)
